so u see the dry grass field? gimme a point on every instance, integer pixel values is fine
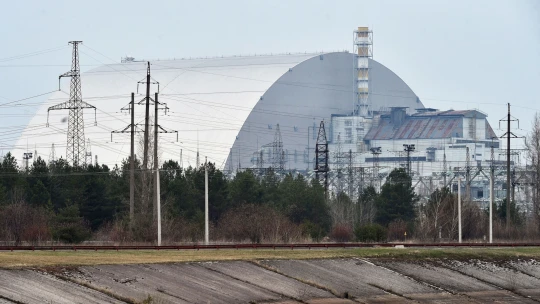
(24, 259)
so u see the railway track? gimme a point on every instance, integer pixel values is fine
(259, 246)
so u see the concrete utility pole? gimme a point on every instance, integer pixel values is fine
(206, 224)
(491, 195)
(508, 119)
(132, 130)
(445, 167)
(459, 208)
(508, 220)
(132, 164)
(197, 160)
(157, 200)
(146, 119)
(467, 174)
(157, 192)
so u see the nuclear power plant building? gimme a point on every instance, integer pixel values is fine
(265, 111)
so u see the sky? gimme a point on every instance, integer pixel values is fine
(453, 54)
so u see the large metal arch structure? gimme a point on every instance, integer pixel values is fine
(224, 106)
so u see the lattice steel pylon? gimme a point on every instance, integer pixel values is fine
(321, 158)
(76, 152)
(278, 161)
(338, 155)
(88, 152)
(52, 155)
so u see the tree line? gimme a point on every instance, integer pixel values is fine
(54, 202)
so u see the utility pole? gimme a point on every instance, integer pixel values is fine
(350, 177)
(156, 210)
(197, 161)
(206, 211)
(445, 167)
(156, 205)
(491, 195)
(132, 163)
(508, 220)
(509, 118)
(157, 200)
(467, 174)
(459, 208)
(156, 161)
(157, 192)
(146, 118)
(76, 153)
(131, 126)
(157, 195)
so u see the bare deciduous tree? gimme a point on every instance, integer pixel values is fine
(532, 143)
(365, 208)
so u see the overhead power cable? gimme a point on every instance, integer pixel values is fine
(31, 54)
(23, 99)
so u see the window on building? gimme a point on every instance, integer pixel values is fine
(348, 123)
(480, 193)
(348, 133)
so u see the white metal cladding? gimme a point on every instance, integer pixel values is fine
(218, 103)
(307, 94)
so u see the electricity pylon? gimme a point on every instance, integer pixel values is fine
(321, 159)
(76, 152)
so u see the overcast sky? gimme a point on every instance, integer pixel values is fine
(453, 54)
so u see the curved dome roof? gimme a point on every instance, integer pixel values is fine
(216, 104)
(308, 93)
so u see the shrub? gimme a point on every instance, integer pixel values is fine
(21, 222)
(258, 224)
(314, 231)
(397, 230)
(70, 227)
(342, 233)
(370, 233)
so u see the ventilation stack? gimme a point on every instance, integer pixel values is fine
(363, 50)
